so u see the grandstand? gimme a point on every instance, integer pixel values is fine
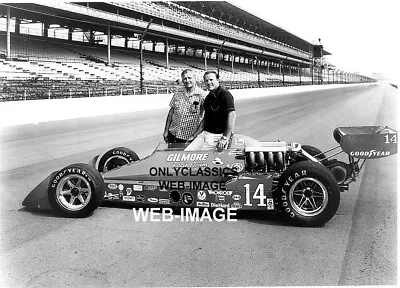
(92, 49)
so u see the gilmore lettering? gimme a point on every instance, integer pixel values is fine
(187, 157)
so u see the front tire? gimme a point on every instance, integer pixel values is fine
(309, 194)
(76, 190)
(115, 158)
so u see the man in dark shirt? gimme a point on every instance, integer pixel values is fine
(219, 116)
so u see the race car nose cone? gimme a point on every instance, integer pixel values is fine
(38, 198)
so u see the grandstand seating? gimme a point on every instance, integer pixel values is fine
(43, 67)
(180, 14)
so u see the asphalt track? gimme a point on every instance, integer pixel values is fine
(110, 249)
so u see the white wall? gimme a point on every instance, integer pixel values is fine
(35, 111)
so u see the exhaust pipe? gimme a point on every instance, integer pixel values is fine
(344, 187)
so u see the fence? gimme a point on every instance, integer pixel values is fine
(33, 89)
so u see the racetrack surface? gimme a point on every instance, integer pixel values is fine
(111, 249)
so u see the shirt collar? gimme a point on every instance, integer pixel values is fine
(216, 91)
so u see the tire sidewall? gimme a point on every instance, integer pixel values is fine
(307, 169)
(122, 152)
(95, 181)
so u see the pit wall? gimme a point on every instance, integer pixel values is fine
(35, 111)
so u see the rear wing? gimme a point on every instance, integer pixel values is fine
(367, 142)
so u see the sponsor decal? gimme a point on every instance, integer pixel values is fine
(189, 164)
(112, 196)
(236, 205)
(187, 198)
(236, 197)
(219, 205)
(128, 191)
(152, 200)
(203, 204)
(187, 157)
(219, 198)
(137, 187)
(270, 204)
(238, 167)
(220, 192)
(370, 153)
(112, 186)
(164, 201)
(128, 198)
(140, 198)
(218, 161)
(120, 187)
(201, 195)
(150, 187)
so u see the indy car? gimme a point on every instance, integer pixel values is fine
(300, 181)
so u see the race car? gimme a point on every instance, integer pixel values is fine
(298, 180)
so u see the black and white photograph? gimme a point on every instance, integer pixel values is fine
(199, 143)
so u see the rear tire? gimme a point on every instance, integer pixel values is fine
(115, 158)
(76, 190)
(309, 194)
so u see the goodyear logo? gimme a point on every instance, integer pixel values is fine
(370, 153)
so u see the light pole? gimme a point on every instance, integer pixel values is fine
(141, 55)
(258, 72)
(222, 44)
(299, 72)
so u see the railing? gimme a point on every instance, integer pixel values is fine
(18, 90)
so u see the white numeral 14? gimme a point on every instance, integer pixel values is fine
(258, 194)
(392, 139)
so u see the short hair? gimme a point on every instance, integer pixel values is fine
(211, 72)
(186, 71)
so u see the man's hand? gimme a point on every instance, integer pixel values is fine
(165, 135)
(188, 141)
(221, 144)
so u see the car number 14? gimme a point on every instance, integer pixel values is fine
(259, 195)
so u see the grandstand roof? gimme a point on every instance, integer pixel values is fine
(234, 15)
(220, 10)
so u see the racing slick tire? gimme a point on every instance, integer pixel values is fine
(309, 194)
(76, 190)
(115, 158)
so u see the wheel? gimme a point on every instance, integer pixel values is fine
(76, 190)
(115, 158)
(309, 193)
